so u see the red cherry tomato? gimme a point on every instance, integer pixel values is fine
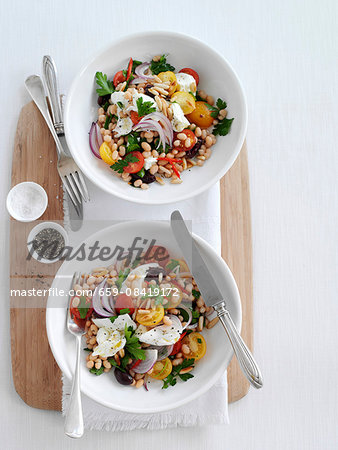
(191, 135)
(135, 118)
(130, 66)
(134, 167)
(191, 72)
(177, 347)
(119, 78)
(123, 301)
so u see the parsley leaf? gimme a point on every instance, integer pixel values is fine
(114, 363)
(135, 64)
(221, 104)
(196, 294)
(120, 105)
(97, 371)
(144, 108)
(107, 121)
(223, 127)
(122, 163)
(172, 265)
(124, 311)
(83, 307)
(122, 276)
(107, 86)
(133, 345)
(171, 379)
(161, 66)
(133, 143)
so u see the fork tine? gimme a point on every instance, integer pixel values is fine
(69, 190)
(84, 186)
(75, 191)
(74, 176)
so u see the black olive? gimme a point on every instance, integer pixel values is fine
(123, 377)
(193, 151)
(153, 273)
(147, 177)
(146, 91)
(103, 99)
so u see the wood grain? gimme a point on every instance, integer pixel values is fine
(36, 376)
(237, 252)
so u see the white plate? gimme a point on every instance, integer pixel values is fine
(217, 78)
(104, 389)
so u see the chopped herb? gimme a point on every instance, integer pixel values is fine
(114, 363)
(120, 105)
(161, 66)
(171, 379)
(87, 349)
(107, 121)
(172, 265)
(135, 263)
(107, 86)
(135, 64)
(122, 163)
(221, 104)
(223, 127)
(83, 307)
(97, 371)
(133, 345)
(195, 316)
(106, 106)
(115, 117)
(122, 276)
(124, 311)
(141, 173)
(144, 108)
(199, 341)
(113, 318)
(133, 143)
(196, 294)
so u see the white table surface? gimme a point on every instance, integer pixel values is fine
(286, 55)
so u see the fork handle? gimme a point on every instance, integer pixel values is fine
(246, 360)
(51, 82)
(36, 90)
(74, 417)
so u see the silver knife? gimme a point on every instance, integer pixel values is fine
(212, 296)
(54, 100)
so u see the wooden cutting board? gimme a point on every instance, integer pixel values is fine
(36, 376)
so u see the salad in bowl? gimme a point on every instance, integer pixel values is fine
(155, 122)
(143, 319)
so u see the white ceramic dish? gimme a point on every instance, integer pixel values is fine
(105, 389)
(24, 210)
(41, 226)
(217, 78)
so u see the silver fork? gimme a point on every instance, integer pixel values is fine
(69, 172)
(74, 417)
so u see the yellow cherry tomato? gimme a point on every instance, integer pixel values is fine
(171, 77)
(201, 116)
(185, 100)
(107, 154)
(151, 318)
(175, 297)
(197, 345)
(161, 369)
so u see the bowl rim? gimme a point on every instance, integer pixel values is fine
(213, 180)
(224, 363)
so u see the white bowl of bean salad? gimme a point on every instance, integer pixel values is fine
(158, 117)
(143, 351)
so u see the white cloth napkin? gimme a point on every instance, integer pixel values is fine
(211, 407)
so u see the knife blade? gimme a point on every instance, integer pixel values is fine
(56, 114)
(204, 279)
(212, 296)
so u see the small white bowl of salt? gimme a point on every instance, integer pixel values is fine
(27, 201)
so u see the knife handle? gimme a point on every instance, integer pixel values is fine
(246, 360)
(50, 78)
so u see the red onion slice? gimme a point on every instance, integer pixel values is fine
(147, 364)
(97, 302)
(95, 139)
(176, 322)
(188, 311)
(141, 70)
(163, 351)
